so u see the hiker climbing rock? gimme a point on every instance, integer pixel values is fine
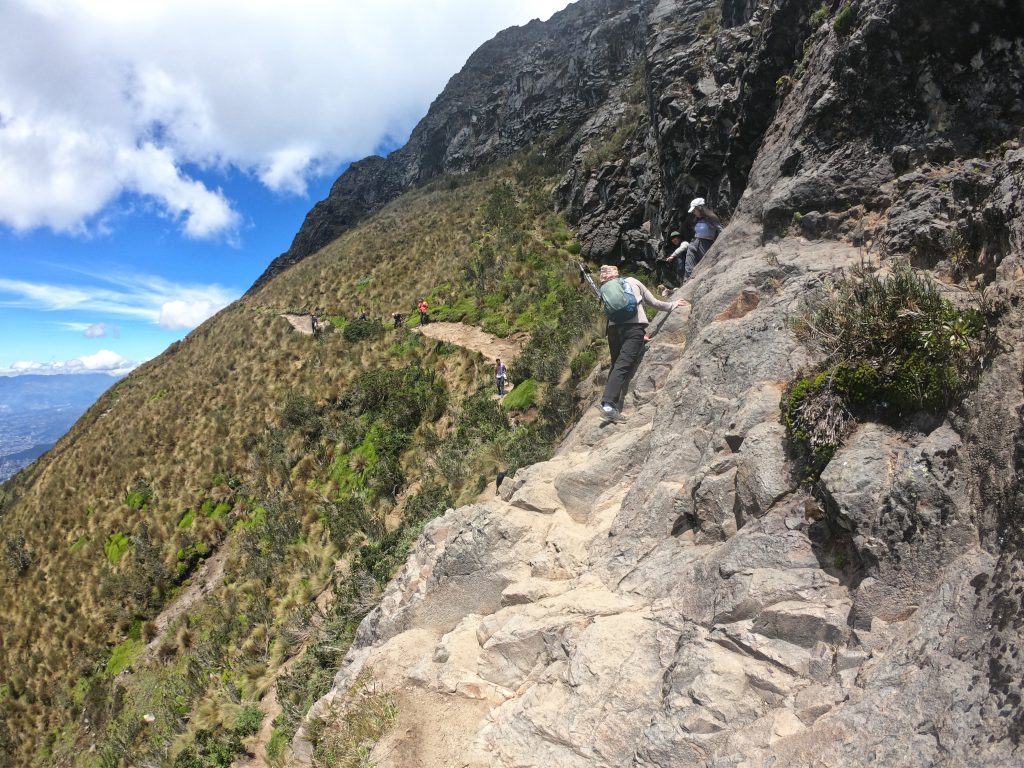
(676, 258)
(398, 318)
(500, 374)
(424, 309)
(706, 228)
(623, 299)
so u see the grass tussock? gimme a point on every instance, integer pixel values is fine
(348, 734)
(890, 347)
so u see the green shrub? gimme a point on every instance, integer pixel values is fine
(501, 211)
(248, 720)
(522, 396)
(481, 418)
(301, 413)
(212, 749)
(463, 310)
(115, 547)
(188, 558)
(346, 738)
(559, 409)
(344, 517)
(17, 556)
(710, 24)
(525, 446)
(361, 330)
(123, 656)
(818, 16)
(890, 347)
(496, 324)
(139, 496)
(276, 747)
(844, 20)
(427, 504)
(583, 363)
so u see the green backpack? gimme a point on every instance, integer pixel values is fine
(618, 300)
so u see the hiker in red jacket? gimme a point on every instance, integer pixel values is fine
(424, 308)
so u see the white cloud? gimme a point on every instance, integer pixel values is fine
(170, 305)
(92, 330)
(102, 97)
(104, 361)
(178, 315)
(99, 330)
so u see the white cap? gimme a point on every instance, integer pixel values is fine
(697, 202)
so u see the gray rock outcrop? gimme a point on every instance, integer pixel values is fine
(664, 592)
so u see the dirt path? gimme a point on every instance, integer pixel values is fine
(210, 574)
(301, 323)
(472, 338)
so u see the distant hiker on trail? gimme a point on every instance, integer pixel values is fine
(398, 318)
(623, 299)
(500, 374)
(677, 255)
(707, 228)
(424, 309)
(362, 315)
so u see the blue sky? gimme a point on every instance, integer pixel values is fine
(154, 157)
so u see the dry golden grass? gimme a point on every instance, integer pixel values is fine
(183, 422)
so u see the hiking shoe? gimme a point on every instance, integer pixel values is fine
(611, 413)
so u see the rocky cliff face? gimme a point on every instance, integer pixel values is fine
(664, 592)
(528, 84)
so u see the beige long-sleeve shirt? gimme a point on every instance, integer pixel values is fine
(644, 296)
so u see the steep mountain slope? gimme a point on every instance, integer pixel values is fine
(277, 454)
(668, 591)
(700, 586)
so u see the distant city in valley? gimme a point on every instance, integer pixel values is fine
(36, 411)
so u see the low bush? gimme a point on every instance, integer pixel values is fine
(115, 547)
(522, 396)
(818, 16)
(139, 496)
(361, 330)
(844, 20)
(890, 347)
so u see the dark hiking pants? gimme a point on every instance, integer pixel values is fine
(694, 253)
(626, 343)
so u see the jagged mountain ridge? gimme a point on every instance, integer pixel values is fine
(805, 657)
(521, 87)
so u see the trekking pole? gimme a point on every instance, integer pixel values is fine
(586, 277)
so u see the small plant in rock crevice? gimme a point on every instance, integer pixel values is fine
(890, 347)
(843, 22)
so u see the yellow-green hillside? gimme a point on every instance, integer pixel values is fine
(280, 453)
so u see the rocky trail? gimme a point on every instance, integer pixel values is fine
(475, 339)
(467, 336)
(657, 595)
(207, 578)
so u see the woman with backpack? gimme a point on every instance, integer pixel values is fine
(707, 227)
(623, 299)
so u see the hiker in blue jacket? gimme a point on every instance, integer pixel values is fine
(626, 339)
(707, 227)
